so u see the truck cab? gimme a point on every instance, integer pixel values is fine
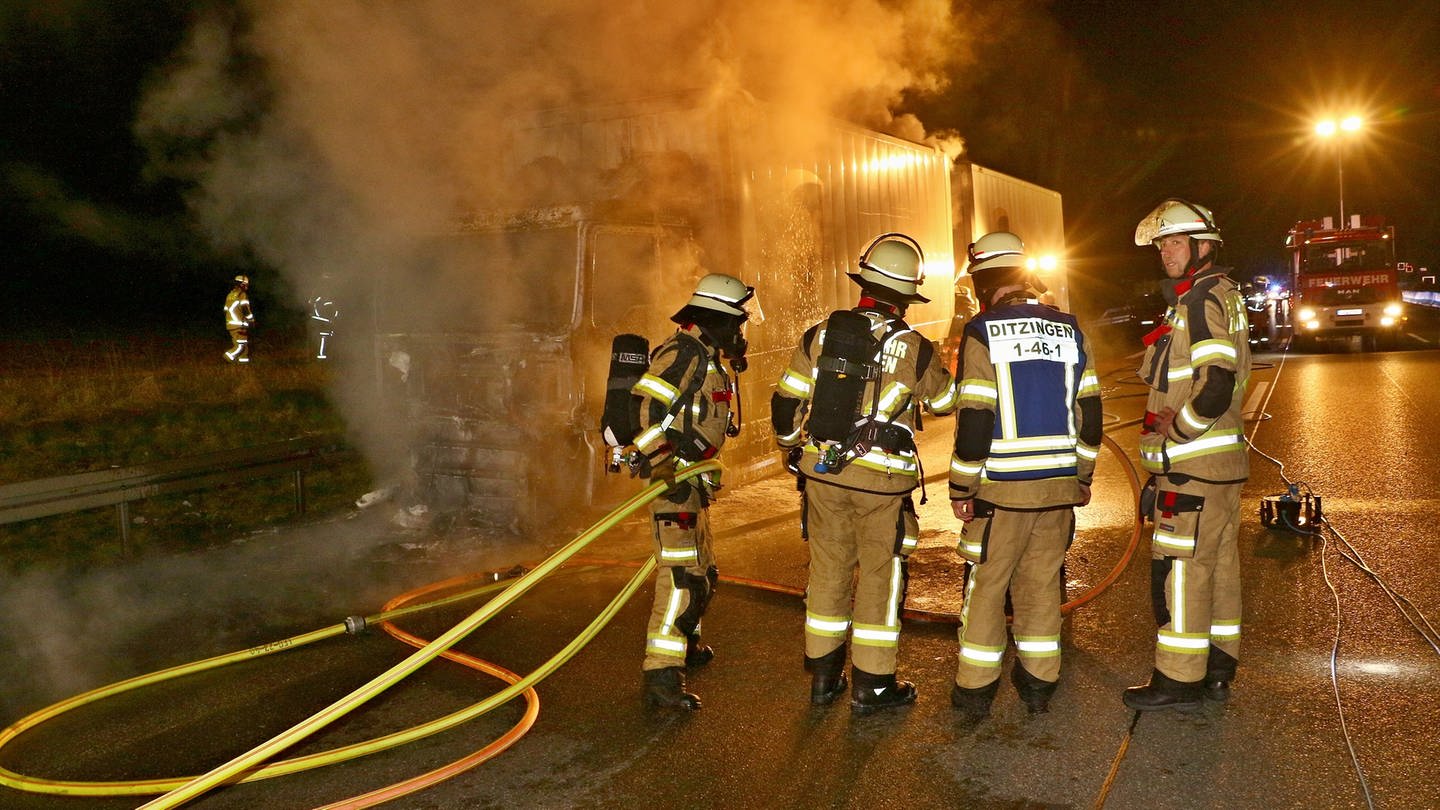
(1344, 282)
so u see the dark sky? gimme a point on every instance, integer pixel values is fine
(1116, 104)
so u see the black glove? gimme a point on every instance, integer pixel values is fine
(792, 459)
(1148, 494)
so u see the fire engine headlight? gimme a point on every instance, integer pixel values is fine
(1307, 314)
(1312, 325)
(1393, 310)
(1387, 321)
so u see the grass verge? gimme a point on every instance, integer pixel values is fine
(72, 405)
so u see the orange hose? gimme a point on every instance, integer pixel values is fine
(459, 766)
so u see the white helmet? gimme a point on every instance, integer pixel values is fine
(722, 293)
(1176, 216)
(997, 249)
(894, 262)
(242, 279)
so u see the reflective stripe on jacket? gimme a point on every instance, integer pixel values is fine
(1029, 367)
(1200, 369)
(893, 400)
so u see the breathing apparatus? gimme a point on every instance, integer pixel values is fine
(892, 268)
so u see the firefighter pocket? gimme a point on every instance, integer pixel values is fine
(975, 535)
(972, 539)
(907, 529)
(1177, 523)
(675, 536)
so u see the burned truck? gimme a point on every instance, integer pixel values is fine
(501, 397)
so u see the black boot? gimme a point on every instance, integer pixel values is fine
(974, 704)
(1164, 693)
(1034, 693)
(665, 689)
(1219, 672)
(872, 692)
(827, 676)
(697, 654)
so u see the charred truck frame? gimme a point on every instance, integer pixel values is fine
(501, 401)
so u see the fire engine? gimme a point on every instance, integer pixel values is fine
(1344, 282)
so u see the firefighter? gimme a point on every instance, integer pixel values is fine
(1192, 442)
(323, 315)
(1027, 434)
(238, 320)
(687, 397)
(845, 412)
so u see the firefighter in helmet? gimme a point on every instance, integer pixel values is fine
(1192, 442)
(1027, 434)
(238, 320)
(845, 411)
(687, 410)
(323, 315)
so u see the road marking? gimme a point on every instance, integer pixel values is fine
(1252, 404)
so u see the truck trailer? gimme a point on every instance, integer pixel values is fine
(500, 396)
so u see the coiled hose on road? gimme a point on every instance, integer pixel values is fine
(248, 767)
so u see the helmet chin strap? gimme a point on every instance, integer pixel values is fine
(1198, 262)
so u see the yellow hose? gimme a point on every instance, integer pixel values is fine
(184, 789)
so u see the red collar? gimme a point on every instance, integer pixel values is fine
(869, 302)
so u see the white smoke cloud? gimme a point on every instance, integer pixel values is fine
(324, 137)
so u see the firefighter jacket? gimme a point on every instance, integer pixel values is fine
(686, 397)
(1198, 364)
(237, 310)
(883, 459)
(1029, 426)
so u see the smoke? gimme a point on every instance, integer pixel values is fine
(331, 138)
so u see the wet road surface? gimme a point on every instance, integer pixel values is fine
(1355, 427)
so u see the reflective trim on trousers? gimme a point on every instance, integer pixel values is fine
(1038, 646)
(672, 646)
(876, 635)
(980, 655)
(1184, 643)
(672, 556)
(1225, 630)
(832, 626)
(1176, 542)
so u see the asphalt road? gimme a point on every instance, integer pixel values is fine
(1355, 427)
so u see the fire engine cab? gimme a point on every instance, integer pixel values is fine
(1343, 282)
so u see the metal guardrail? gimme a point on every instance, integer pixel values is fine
(118, 487)
(1424, 298)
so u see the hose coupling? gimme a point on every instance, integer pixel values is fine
(354, 625)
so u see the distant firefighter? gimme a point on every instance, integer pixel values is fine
(238, 320)
(323, 315)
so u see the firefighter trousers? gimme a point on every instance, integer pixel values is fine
(239, 346)
(849, 529)
(1018, 551)
(1195, 579)
(686, 577)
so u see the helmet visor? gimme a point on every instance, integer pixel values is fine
(1163, 221)
(1149, 228)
